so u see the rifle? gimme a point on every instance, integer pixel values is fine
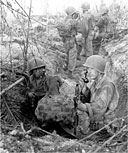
(75, 99)
(83, 98)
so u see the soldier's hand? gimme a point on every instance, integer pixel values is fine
(81, 81)
(81, 106)
(31, 94)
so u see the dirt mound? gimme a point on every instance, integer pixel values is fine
(117, 70)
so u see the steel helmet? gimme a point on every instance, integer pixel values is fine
(70, 10)
(35, 63)
(104, 10)
(96, 62)
(85, 6)
(116, 6)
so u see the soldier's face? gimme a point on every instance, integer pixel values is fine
(39, 72)
(92, 74)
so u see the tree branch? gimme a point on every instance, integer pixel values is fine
(11, 86)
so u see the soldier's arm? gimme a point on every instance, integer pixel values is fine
(101, 103)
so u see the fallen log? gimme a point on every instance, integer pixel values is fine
(90, 135)
(11, 86)
(110, 139)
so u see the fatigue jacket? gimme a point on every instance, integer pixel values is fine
(69, 33)
(86, 24)
(102, 24)
(104, 99)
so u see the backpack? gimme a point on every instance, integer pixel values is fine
(85, 24)
(64, 28)
(67, 27)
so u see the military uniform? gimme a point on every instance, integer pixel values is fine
(101, 29)
(42, 85)
(46, 84)
(71, 46)
(104, 100)
(86, 28)
(87, 19)
(67, 30)
(102, 105)
(79, 44)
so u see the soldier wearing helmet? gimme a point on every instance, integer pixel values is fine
(104, 97)
(40, 83)
(85, 6)
(70, 11)
(101, 30)
(86, 29)
(35, 64)
(67, 30)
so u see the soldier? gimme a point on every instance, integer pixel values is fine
(40, 83)
(104, 99)
(79, 44)
(100, 30)
(68, 32)
(86, 28)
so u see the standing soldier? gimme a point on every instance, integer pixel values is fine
(86, 28)
(100, 31)
(67, 30)
(79, 44)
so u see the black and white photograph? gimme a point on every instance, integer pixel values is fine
(63, 76)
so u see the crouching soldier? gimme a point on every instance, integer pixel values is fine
(40, 84)
(104, 97)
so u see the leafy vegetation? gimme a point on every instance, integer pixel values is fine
(30, 36)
